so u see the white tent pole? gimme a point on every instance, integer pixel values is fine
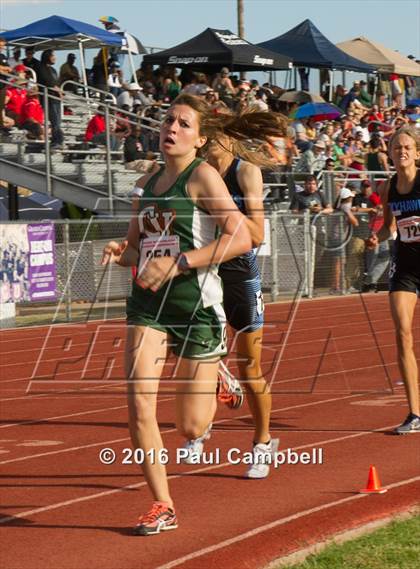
(84, 76)
(133, 69)
(331, 84)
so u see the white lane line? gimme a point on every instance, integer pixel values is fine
(271, 525)
(267, 333)
(173, 477)
(105, 443)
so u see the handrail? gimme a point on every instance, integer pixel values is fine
(89, 88)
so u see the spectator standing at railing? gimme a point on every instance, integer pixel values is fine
(69, 72)
(49, 78)
(31, 61)
(377, 259)
(4, 70)
(340, 232)
(98, 74)
(311, 199)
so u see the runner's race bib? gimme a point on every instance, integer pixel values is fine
(409, 228)
(155, 247)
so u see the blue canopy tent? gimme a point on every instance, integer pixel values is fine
(308, 47)
(56, 32)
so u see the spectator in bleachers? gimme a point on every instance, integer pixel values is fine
(99, 74)
(4, 70)
(313, 159)
(223, 85)
(376, 157)
(69, 72)
(134, 156)
(16, 58)
(171, 86)
(32, 114)
(122, 122)
(31, 61)
(131, 96)
(260, 103)
(115, 79)
(338, 95)
(364, 96)
(49, 78)
(211, 97)
(16, 96)
(340, 154)
(96, 131)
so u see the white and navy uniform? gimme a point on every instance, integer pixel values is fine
(242, 295)
(404, 272)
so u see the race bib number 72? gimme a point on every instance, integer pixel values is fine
(409, 228)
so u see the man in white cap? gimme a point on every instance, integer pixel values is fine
(313, 159)
(131, 96)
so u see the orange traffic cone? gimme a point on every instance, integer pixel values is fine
(373, 483)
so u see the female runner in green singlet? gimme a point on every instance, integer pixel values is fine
(176, 298)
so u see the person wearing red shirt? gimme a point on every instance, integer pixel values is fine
(15, 98)
(95, 126)
(32, 115)
(96, 131)
(376, 259)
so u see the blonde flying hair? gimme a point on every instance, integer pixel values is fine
(244, 129)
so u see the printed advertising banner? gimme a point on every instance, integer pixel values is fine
(28, 267)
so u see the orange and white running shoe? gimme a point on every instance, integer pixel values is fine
(160, 518)
(229, 390)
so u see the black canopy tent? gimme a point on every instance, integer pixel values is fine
(213, 49)
(308, 47)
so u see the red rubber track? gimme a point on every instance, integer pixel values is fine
(332, 368)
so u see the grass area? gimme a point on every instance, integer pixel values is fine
(396, 546)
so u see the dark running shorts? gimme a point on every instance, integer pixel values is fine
(244, 305)
(403, 278)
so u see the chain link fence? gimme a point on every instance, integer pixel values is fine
(302, 255)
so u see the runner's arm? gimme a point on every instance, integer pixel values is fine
(251, 183)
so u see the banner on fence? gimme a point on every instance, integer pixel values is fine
(27, 262)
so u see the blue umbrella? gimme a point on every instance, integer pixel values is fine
(413, 103)
(317, 111)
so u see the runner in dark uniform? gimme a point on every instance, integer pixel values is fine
(242, 295)
(402, 212)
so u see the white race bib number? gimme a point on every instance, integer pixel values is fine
(155, 247)
(409, 228)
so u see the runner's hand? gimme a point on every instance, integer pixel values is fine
(157, 272)
(112, 252)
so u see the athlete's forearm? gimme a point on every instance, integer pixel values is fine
(384, 233)
(256, 230)
(129, 257)
(223, 249)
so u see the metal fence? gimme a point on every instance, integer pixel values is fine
(302, 255)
